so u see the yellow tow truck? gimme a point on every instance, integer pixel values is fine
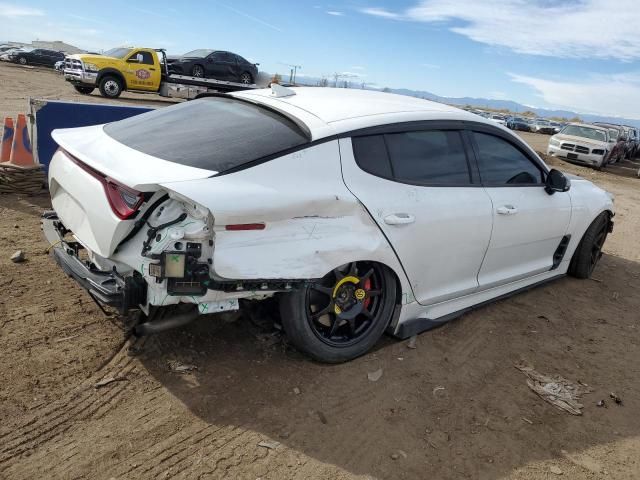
(135, 69)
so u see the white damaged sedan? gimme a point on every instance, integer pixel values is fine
(360, 212)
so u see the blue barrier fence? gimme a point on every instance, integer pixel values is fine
(52, 114)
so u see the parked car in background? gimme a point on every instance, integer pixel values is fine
(581, 143)
(542, 126)
(518, 123)
(633, 141)
(556, 126)
(6, 55)
(59, 66)
(38, 56)
(498, 119)
(269, 194)
(214, 64)
(618, 139)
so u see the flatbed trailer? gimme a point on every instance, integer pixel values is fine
(114, 75)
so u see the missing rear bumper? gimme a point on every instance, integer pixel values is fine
(107, 288)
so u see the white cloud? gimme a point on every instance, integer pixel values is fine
(614, 95)
(11, 11)
(382, 12)
(334, 13)
(576, 29)
(429, 65)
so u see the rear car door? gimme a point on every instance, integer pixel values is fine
(419, 188)
(529, 225)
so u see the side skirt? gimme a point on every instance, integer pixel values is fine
(414, 326)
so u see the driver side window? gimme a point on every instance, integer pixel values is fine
(501, 163)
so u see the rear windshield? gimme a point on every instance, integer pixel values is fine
(212, 133)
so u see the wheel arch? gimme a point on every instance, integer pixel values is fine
(111, 72)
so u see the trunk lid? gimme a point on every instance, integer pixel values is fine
(88, 163)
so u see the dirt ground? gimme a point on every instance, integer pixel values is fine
(453, 408)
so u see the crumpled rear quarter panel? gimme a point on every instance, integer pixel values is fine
(313, 223)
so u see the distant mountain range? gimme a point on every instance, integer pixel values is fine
(513, 107)
(497, 104)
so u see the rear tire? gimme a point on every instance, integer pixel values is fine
(83, 90)
(589, 250)
(197, 71)
(110, 86)
(343, 315)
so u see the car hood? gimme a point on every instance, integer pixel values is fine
(87, 57)
(581, 140)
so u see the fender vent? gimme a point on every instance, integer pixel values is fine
(560, 251)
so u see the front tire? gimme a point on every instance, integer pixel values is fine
(343, 315)
(246, 78)
(83, 90)
(589, 249)
(110, 86)
(22, 61)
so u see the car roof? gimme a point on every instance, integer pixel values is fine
(330, 111)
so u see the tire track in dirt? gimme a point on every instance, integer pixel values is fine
(80, 403)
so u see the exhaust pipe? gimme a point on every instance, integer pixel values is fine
(166, 323)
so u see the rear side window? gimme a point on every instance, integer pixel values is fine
(501, 163)
(430, 157)
(371, 155)
(212, 133)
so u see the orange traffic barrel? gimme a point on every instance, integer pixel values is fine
(7, 139)
(21, 153)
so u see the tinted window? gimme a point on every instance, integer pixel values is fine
(211, 133)
(240, 59)
(432, 157)
(501, 163)
(371, 155)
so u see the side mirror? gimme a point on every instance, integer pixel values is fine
(556, 182)
(133, 60)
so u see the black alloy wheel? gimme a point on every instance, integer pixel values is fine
(197, 71)
(342, 315)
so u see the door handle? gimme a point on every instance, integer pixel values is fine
(507, 210)
(399, 219)
(151, 68)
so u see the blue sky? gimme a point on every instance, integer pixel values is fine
(580, 55)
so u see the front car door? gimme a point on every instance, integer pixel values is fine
(529, 225)
(221, 66)
(419, 188)
(142, 71)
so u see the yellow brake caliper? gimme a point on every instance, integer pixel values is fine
(359, 293)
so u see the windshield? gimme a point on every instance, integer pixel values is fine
(117, 52)
(212, 133)
(201, 52)
(614, 133)
(585, 132)
(542, 122)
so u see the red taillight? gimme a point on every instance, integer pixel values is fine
(124, 201)
(245, 226)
